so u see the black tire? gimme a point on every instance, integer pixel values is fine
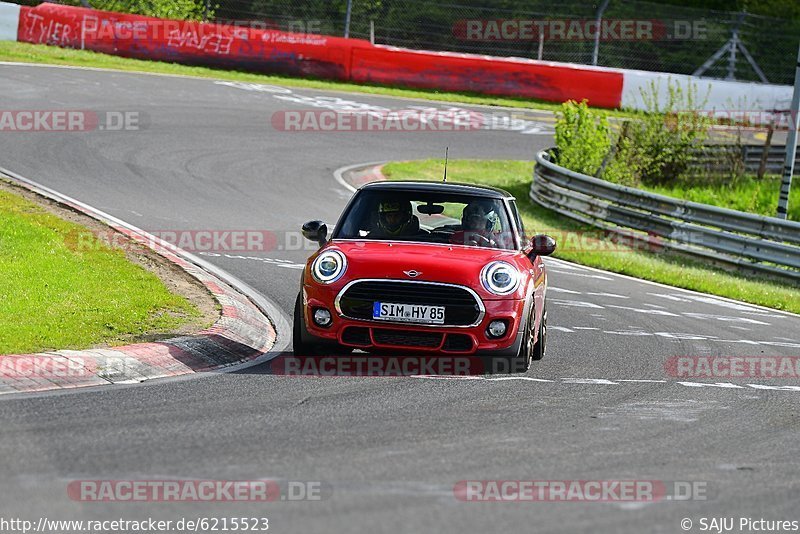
(301, 339)
(540, 348)
(300, 343)
(520, 362)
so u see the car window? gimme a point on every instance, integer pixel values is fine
(428, 217)
(520, 226)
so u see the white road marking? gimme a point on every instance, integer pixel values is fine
(582, 275)
(595, 381)
(616, 382)
(257, 87)
(722, 303)
(723, 318)
(780, 344)
(574, 303)
(446, 377)
(528, 378)
(627, 333)
(764, 314)
(684, 292)
(687, 411)
(724, 385)
(562, 290)
(775, 388)
(685, 337)
(286, 264)
(645, 311)
(792, 344)
(609, 295)
(564, 265)
(643, 381)
(573, 292)
(789, 343)
(669, 297)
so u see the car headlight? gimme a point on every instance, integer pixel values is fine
(500, 278)
(329, 266)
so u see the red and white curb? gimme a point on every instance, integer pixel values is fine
(352, 177)
(250, 329)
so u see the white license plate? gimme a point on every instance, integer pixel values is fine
(409, 313)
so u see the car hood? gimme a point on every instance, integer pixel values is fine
(436, 263)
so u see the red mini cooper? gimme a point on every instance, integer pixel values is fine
(424, 266)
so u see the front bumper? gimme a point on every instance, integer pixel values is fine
(386, 335)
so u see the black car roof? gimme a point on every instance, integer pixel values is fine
(438, 187)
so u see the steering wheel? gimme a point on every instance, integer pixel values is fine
(479, 239)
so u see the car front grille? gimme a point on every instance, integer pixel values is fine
(356, 335)
(462, 308)
(401, 338)
(367, 337)
(457, 343)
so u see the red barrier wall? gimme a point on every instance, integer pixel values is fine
(489, 75)
(188, 42)
(313, 55)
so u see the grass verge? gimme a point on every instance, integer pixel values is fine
(743, 193)
(56, 296)
(663, 267)
(52, 55)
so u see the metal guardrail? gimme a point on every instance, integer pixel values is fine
(753, 242)
(721, 157)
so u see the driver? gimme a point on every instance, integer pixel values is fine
(395, 219)
(478, 221)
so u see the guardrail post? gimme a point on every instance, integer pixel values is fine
(762, 167)
(791, 145)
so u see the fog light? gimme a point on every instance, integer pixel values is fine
(322, 317)
(496, 329)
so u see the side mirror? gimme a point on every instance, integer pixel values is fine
(542, 245)
(316, 231)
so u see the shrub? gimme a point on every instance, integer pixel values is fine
(582, 137)
(654, 148)
(664, 138)
(165, 9)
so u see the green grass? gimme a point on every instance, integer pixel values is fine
(55, 295)
(29, 53)
(586, 245)
(745, 193)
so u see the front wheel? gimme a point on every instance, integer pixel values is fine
(520, 362)
(541, 345)
(302, 341)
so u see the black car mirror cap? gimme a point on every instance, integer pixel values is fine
(542, 245)
(316, 231)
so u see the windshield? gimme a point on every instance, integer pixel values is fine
(428, 217)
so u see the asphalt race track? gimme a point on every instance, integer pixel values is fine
(389, 451)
